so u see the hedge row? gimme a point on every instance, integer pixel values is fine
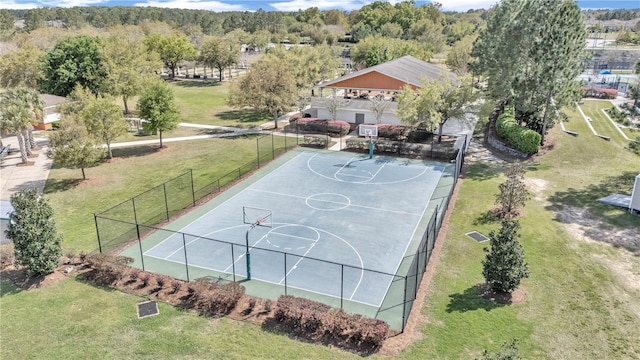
(316, 321)
(415, 150)
(521, 138)
(323, 126)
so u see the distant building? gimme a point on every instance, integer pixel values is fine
(382, 81)
(50, 113)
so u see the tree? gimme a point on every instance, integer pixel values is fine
(74, 60)
(269, 86)
(104, 120)
(19, 107)
(376, 50)
(444, 99)
(37, 244)
(504, 266)
(7, 27)
(333, 105)
(217, 54)
(430, 34)
(459, 56)
(128, 65)
(513, 192)
(71, 146)
(171, 49)
(634, 93)
(519, 51)
(20, 67)
(157, 106)
(407, 109)
(378, 106)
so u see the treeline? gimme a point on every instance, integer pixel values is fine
(402, 20)
(622, 14)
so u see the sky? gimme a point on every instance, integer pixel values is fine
(286, 5)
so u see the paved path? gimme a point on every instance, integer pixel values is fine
(15, 177)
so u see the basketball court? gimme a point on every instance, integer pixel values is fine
(333, 224)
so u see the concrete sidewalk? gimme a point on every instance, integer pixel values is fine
(15, 177)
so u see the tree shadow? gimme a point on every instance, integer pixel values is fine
(245, 116)
(581, 207)
(487, 217)
(481, 171)
(135, 151)
(196, 83)
(59, 185)
(472, 299)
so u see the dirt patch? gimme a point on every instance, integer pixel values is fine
(28, 163)
(515, 297)
(537, 187)
(584, 226)
(20, 279)
(92, 181)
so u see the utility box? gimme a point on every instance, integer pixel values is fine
(634, 204)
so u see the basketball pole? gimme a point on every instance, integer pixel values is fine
(248, 254)
(370, 147)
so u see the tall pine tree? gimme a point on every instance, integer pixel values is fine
(532, 52)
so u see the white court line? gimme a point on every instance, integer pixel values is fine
(293, 236)
(413, 235)
(298, 262)
(363, 183)
(356, 176)
(352, 204)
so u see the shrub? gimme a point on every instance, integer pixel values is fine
(106, 270)
(146, 279)
(323, 126)
(391, 132)
(218, 300)
(316, 140)
(311, 320)
(161, 280)
(176, 285)
(519, 137)
(268, 305)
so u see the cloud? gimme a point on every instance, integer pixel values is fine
(194, 5)
(19, 6)
(448, 5)
(295, 5)
(464, 5)
(71, 3)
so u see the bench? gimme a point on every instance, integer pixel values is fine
(572, 133)
(604, 137)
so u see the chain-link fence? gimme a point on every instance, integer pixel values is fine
(133, 220)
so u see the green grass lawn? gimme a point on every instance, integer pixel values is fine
(205, 103)
(134, 171)
(579, 304)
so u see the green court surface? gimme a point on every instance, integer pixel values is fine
(335, 227)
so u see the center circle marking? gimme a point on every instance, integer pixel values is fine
(328, 201)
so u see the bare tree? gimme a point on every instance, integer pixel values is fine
(378, 106)
(333, 105)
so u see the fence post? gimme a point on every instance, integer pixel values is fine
(193, 189)
(415, 292)
(341, 285)
(95, 219)
(135, 215)
(140, 245)
(233, 263)
(404, 304)
(436, 217)
(285, 273)
(186, 262)
(166, 204)
(258, 151)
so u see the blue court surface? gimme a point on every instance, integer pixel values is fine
(341, 224)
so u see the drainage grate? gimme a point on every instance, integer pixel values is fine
(477, 236)
(147, 308)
